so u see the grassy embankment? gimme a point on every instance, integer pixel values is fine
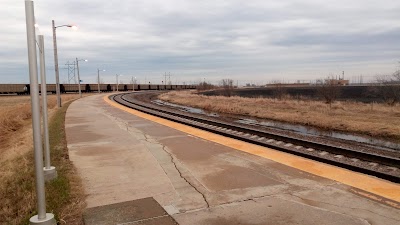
(377, 120)
(64, 195)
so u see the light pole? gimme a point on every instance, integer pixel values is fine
(79, 78)
(50, 172)
(116, 75)
(42, 218)
(56, 59)
(98, 78)
(133, 83)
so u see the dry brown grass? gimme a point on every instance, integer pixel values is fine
(65, 194)
(376, 120)
(15, 118)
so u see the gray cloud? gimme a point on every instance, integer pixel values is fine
(243, 40)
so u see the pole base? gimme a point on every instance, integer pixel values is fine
(50, 174)
(49, 220)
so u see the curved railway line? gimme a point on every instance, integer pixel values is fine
(385, 167)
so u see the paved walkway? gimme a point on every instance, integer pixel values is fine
(122, 157)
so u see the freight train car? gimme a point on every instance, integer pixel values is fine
(153, 87)
(51, 88)
(21, 89)
(71, 88)
(13, 88)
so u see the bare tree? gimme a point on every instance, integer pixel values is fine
(227, 87)
(204, 86)
(279, 90)
(396, 76)
(389, 88)
(371, 92)
(328, 89)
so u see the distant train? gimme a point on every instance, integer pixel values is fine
(23, 89)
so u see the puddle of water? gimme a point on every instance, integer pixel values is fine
(315, 132)
(184, 108)
(291, 127)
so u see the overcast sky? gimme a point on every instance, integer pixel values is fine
(249, 41)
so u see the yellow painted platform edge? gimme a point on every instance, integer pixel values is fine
(363, 182)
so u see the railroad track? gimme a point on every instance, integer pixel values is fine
(384, 167)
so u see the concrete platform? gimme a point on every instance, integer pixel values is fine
(123, 157)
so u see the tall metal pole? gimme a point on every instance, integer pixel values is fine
(44, 101)
(133, 83)
(98, 80)
(116, 75)
(49, 171)
(79, 79)
(42, 217)
(56, 66)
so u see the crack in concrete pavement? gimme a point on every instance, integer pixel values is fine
(147, 139)
(180, 174)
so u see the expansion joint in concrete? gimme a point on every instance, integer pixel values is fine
(143, 220)
(248, 199)
(339, 206)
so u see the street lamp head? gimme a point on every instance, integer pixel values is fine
(86, 60)
(74, 27)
